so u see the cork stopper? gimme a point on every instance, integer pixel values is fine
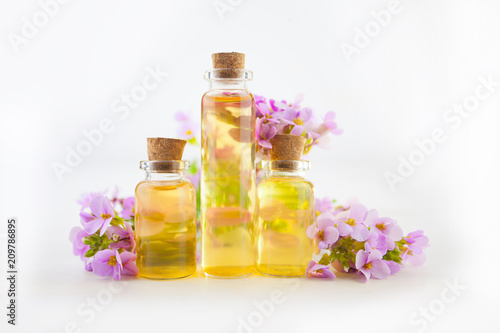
(287, 147)
(228, 60)
(165, 149)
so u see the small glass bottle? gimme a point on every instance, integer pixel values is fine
(165, 213)
(285, 209)
(228, 170)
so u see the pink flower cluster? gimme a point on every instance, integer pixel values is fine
(106, 242)
(358, 240)
(291, 118)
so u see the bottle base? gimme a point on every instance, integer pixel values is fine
(166, 274)
(228, 272)
(282, 271)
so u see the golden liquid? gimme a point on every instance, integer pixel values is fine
(165, 227)
(285, 210)
(228, 184)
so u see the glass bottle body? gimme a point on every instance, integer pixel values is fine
(165, 226)
(228, 180)
(285, 208)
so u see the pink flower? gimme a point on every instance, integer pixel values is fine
(319, 271)
(268, 114)
(384, 225)
(297, 118)
(393, 266)
(76, 236)
(324, 205)
(195, 179)
(344, 207)
(102, 213)
(187, 131)
(323, 230)
(413, 252)
(330, 123)
(188, 128)
(114, 264)
(128, 208)
(376, 242)
(259, 99)
(371, 264)
(182, 116)
(121, 238)
(86, 198)
(295, 104)
(264, 132)
(351, 223)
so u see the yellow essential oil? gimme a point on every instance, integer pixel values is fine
(165, 222)
(285, 209)
(228, 177)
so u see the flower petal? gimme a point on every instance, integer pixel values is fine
(107, 207)
(130, 268)
(371, 217)
(360, 233)
(421, 241)
(344, 229)
(96, 205)
(94, 225)
(331, 235)
(380, 270)
(396, 233)
(325, 220)
(393, 266)
(416, 259)
(291, 114)
(86, 217)
(338, 131)
(297, 130)
(265, 144)
(312, 231)
(73, 233)
(298, 99)
(361, 259)
(358, 212)
(105, 225)
(328, 274)
(374, 255)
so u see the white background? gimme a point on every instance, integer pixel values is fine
(64, 79)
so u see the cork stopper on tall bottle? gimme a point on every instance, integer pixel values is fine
(229, 62)
(287, 147)
(165, 149)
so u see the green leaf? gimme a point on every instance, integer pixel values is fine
(117, 220)
(344, 251)
(193, 168)
(192, 141)
(88, 240)
(325, 260)
(89, 253)
(393, 255)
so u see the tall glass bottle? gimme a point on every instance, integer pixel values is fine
(285, 209)
(228, 170)
(165, 214)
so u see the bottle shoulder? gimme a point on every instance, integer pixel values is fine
(166, 185)
(227, 95)
(296, 181)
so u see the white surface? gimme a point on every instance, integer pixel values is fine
(395, 91)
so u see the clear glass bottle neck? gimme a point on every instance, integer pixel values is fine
(164, 176)
(164, 170)
(285, 173)
(285, 168)
(227, 84)
(228, 78)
